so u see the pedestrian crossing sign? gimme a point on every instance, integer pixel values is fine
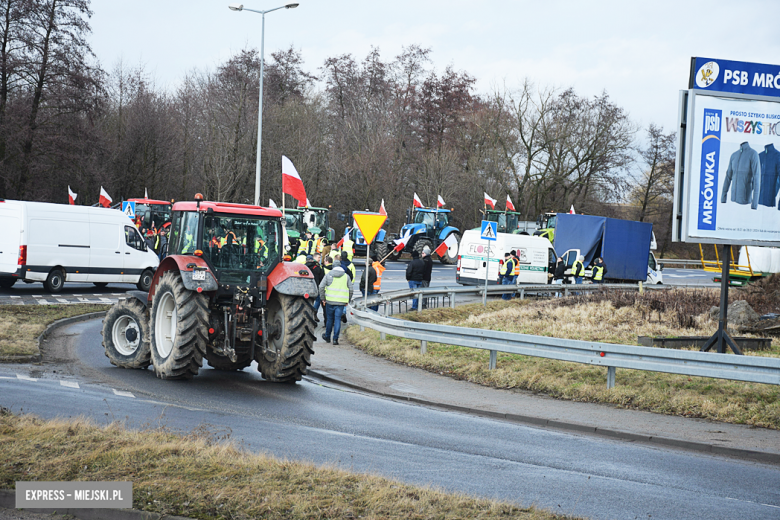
(128, 208)
(489, 230)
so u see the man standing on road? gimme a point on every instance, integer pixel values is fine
(414, 274)
(427, 271)
(502, 269)
(558, 276)
(335, 293)
(313, 263)
(371, 279)
(348, 266)
(509, 276)
(598, 270)
(578, 269)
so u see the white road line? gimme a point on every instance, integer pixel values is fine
(122, 394)
(36, 296)
(62, 300)
(69, 384)
(15, 296)
(42, 302)
(78, 295)
(107, 300)
(25, 378)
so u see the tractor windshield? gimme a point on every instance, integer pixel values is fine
(551, 220)
(316, 219)
(294, 221)
(236, 244)
(153, 215)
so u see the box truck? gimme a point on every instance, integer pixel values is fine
(58, 243)
(623, 244)
(536, 255)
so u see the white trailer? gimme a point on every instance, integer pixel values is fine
(58, 243)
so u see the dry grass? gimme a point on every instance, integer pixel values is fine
(199, 478)
(590, 320)
(20, 325)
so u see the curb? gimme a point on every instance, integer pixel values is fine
(758, 456)
(8, 501)
(37, 358)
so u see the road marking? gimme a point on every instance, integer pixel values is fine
(69, 384)
(42, 302)
(107, 300)
(15, 296)
(62, 300)
(37, 296)
(25, 378)
(122, 394)
(78, 295)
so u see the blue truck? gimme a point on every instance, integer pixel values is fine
(623, 244)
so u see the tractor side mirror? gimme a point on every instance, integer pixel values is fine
(408, 215)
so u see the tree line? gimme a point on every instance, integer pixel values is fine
(358, 130)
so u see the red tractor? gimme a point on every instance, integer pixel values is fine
(223, 294)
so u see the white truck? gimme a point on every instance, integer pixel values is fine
(536, 255)
(58, 243)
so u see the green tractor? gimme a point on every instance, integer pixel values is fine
(297, 221)
(546, 224)
(509, 222)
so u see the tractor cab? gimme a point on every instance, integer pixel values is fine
(154, 213)
(507, 221)
(546, 226)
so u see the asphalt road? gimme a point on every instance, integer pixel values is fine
(565, 473)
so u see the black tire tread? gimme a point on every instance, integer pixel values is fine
(142, 357)
(295, 356)
(189, 349)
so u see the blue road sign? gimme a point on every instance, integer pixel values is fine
(128, 208)
(489, 230)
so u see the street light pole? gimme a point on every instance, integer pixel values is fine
(240, 7)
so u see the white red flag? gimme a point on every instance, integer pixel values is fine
(272, 204)
(71, 197)
(382, 210)
(146, 194)
(490, 201)
(571, 211)
(291, 181)
(304, 204)
(105, 200)
(341, 242)
(509, 205)
(417, 202)
(449, 246)
(400, 243)
(440, 202)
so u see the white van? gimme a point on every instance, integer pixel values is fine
(536, 255)
(57, 243)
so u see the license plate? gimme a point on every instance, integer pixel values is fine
(198, 275)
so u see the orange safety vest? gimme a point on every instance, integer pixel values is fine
(516, 272)
(379, 268)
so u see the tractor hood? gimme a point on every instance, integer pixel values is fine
(412, 229)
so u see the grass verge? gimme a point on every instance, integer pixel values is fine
(20, 325)
(200, 477)
(721, 400)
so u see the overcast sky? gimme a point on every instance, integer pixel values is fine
(639, 54)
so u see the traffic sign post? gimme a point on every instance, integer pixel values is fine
(489, 230)
(369, 225)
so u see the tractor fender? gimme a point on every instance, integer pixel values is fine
(293, 279)
(185, 265)
(446, 231)
(141, 296)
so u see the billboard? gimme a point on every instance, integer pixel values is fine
(728, 167)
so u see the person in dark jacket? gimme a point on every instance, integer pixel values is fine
(348, 267)
(313, 263)
(509, 276)
(415, 272)
(598, 270)
(427, 272)
(559, 274)
(371, 279)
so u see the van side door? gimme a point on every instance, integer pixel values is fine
(105, 252)
(135, 254)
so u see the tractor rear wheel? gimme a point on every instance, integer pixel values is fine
(390, 240)
(382, 250)
(420, 245)
(179, 328)
(446, 258)
(290, 325)
(126, 334)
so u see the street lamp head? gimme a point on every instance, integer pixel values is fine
(236, 7)
(291, 6)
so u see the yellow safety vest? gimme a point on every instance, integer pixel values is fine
(379, 268)
(308, 246)
(352, 271)
(338, 290)
(598, 273)
(189, 243)
(348, 246)
(577, 268)
(301, 259)
(502, 269)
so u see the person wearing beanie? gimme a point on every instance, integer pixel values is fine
(415, 272)
(427, 271)
(348, 266)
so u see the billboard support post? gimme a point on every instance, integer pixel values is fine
(721, 339)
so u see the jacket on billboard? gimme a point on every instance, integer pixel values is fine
(745, 172)
(770, 175)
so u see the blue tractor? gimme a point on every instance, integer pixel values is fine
(426, 227)
(360, 243)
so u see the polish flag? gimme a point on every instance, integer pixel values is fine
(449, 246)
(71, 197)
(304, 205)
(400, 243)
(105, 200)
(382, 210)
(490, 201)
(571, 211)
(417, 202)
(272, 204)
(291, 181)
(341, 242)
(509, 205)
(440, 202)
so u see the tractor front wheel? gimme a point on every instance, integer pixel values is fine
(446, 258)
(126, 334)
(179, 328)
(290, 328)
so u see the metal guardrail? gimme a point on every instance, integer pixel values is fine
(678, 261)
(703, 364)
